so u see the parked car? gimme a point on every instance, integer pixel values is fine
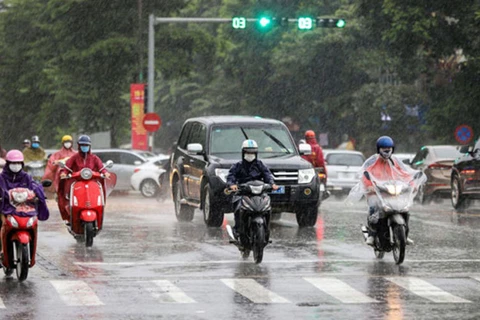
(465, 177)
(436, 162)
(146, 177)
(207, 148)
(124, 162)
(343, 170)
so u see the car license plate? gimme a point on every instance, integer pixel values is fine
(280, 190)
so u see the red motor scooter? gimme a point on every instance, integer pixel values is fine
(81, 201)
(19, 237)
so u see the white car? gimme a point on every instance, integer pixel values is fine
(343, 170)
(146, 177)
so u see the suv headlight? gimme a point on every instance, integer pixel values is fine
(222, 174)
(306, 175)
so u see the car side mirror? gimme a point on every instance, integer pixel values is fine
(304, 149)
(194, 148)
(46, 183)
(137, 162)
(109, 164)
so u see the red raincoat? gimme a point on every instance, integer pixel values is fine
(52, 171)
(316, 157)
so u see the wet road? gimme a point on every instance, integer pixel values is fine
(146, 265)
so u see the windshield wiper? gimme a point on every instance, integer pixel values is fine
(278, 142)
(244, 133)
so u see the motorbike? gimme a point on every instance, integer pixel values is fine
(19, 240)
(81, 198)
(394, 198)
(255, 211)
(36, 169)
(324, 193)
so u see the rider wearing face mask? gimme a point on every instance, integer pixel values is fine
(382, 166)
(35, 152)
(248, 169)
(84, 159)
(13, 176)
(52, 171)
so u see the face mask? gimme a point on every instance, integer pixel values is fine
(249, 157)
(84, 149)
(15, 167)
(35, 145)
(386, 153)
(67, 145)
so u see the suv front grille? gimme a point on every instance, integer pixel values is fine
(285, 177)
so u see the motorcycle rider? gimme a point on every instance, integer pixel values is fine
(26, 144)
(84, 158)
(66, 151)
(383, 166)
(248, 169)
(13, 176)
(34, 152)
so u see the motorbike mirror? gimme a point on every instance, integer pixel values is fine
(109, 164)
(366, 174)
(61, 164)
(46, 183)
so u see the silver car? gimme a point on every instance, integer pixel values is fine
(343, 170)
(124, 163)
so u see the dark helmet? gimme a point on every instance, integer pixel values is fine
(385, 142)
(35, 139)
(85, 140)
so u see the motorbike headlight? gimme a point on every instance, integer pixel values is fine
(12, 221)
(86, 174)
(20, 197)
(394, 189)
(31, 221)
(222, 174)
(256, 189)
(306, 175)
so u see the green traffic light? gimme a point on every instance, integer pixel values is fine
(340, 23)
(264, 22)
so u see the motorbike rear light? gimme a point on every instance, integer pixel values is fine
(438, 166)
(468, 172)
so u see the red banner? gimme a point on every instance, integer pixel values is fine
(137, 102)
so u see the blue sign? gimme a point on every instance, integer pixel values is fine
(463, 134)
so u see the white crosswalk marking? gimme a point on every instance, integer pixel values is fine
(340, 290)
(2, 306)
(252, 290)
(76, 293)
(426, 290)
(168, 292)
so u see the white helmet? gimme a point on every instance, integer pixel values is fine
(249, 146)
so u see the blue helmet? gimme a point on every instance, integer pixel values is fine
(385, 142)
(85, 140)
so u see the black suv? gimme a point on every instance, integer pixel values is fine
(207, 148)
(465, 177)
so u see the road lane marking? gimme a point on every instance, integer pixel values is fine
(293, 261)
(167, 292)
(2, 305)
(252, 290)
(340, 290)
(76, 293)
(426, 290)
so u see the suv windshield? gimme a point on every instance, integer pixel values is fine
(273, 141)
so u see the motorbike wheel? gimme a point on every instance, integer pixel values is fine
(183, 212)
(149, 188)
(258, 244)
(423, 199)
(307, 216)
(8, 271)
(88, 229)
(379, 254)
(245, 253)
(400, 243)
(212, 216)
(23, 262)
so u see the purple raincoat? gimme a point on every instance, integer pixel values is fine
(10, 180)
